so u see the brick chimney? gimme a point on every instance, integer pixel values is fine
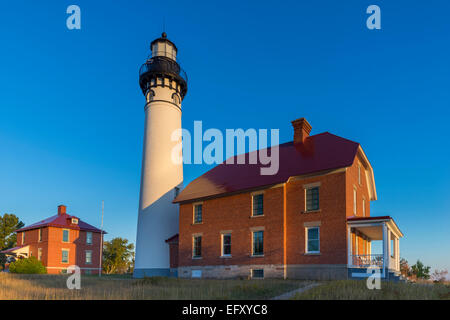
(61, 210)
(302, 128)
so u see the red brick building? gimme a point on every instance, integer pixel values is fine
(59, 242)
(310, 220)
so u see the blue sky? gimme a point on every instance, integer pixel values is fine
(71, 111)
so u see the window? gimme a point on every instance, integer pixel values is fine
(87, 272)
(88, 257)
(40, 235)
(258, 243)
(65, 235)
(23, 237)
(89, 237)
(197, 247)
(65, 256)
(198, 213)
(74, 221)
(312, 240)
(359, 174)
(354, 202)
(39, 254)
(258, 205)
(312, 199)
(226, 244)
(257, 273)
(364, 207)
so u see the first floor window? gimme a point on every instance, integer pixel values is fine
(197, 247)
(364, 207)
(40, 235)
(258, 243)
(312, 240)
(65, 256)
(23, 237)
(226, 244)
(354, 202)
(39, 254)
(88, 256)
(312, 199)
(89, 237)
(258, 205)
(65, 235)
(198, 213)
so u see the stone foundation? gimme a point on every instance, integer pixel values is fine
(317, 271)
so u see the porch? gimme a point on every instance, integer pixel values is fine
(362, 231)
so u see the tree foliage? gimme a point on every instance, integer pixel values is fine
(117, 256)
(420, 270)
(29, 265)
(8, 224)
(405, 270)
(439, 275)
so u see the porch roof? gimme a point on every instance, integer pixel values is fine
(371, 226)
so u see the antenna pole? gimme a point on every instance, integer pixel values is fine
(101, 240)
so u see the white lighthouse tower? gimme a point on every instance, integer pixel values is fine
(164, 85)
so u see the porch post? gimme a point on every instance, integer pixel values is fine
(385, 246)
(349, 246)
(397, 251)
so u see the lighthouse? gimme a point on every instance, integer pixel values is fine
(164, 85)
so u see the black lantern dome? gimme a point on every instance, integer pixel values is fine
(163, 65)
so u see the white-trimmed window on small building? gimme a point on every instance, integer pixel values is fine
(198, 213)
(39, 254)
(40, 235)
(354, 201)
(258, 205)
(226, 244)
(88, 256)
(65, 256)
(88, 237)
(312, 240)
(23, 238)
(258, 243)
(312, 199)
(65, 235)
(197, 246)
(359, 174)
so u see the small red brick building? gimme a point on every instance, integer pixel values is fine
(61, 241)
(311, 220)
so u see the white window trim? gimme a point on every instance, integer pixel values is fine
(222, 243)
(40, 235)
(364, 206)
(68, 237)
(39, 254)
(68, 255)
(355, 196)
(23, 237)
(306, 240)
(359, 174)
(253, 194)
(85, 256)
(92, 238)
(257, 229)
(193, 245)
(193, 212)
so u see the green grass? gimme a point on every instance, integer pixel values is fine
(357, 290)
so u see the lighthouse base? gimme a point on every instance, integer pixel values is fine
(154, 272)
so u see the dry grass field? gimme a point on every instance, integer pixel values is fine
(53, 287)
(357, 290)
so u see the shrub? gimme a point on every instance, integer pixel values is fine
(28, 266)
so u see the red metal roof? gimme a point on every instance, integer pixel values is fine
(320, 152)
(61, 221)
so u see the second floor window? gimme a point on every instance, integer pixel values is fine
(258, 243)
(258, 205)
(197, 247)
(23, 237)
(40, 235)
(65, 235)
(65, 256)
(89, 237)
(312, 199)
(354, 202)
(198, 213)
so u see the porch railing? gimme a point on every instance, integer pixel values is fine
(366, 260)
